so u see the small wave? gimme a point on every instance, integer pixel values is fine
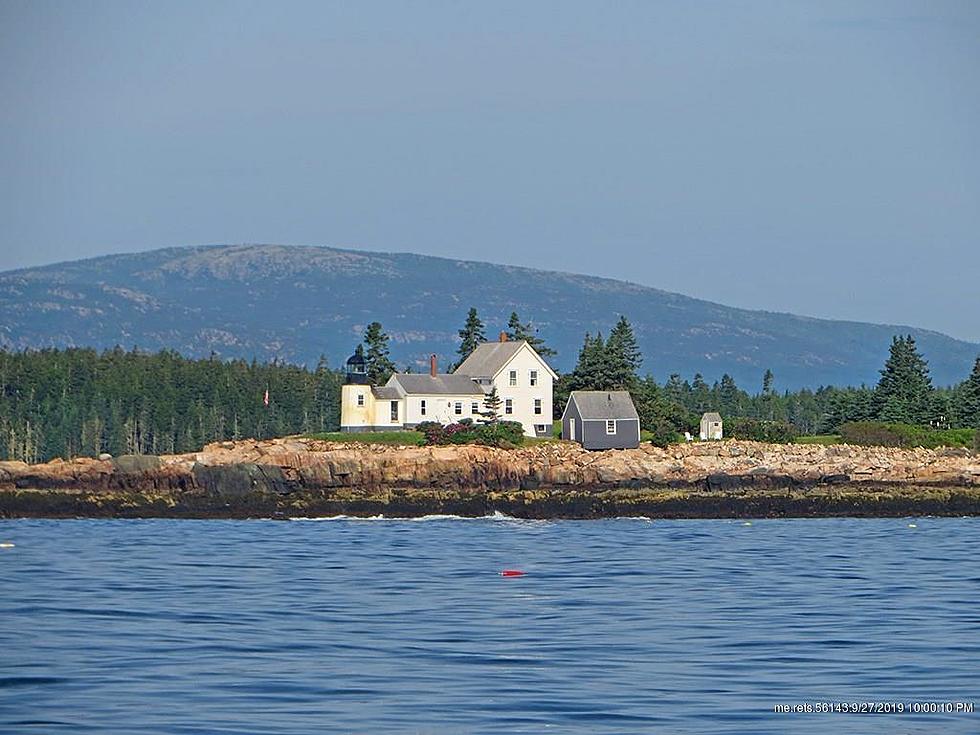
(338, 518)
(495, 516)
(29, 681)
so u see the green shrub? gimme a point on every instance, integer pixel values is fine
(774, 432)
(500, 434)
(663, 433)
(878, 433)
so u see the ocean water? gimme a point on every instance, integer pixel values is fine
(388, 626)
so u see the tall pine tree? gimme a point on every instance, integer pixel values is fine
(590, 371)
(623, 357)
(904, 392)
(470, 336)
(967, 407)
(729, 397)
(700, 394)
(378, 363)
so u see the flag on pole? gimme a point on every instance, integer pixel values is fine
(265, 400)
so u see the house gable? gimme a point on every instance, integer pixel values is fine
(489, 359)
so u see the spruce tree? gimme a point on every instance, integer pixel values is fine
(968, 399)
(378, 363)
(904, 392)
(648, 401)
(729, 397)
(471, 335)
(491, 407)
(768, 397)
(767, 383)
(700, 394)
(622, 357)
(674, 389)
(517, 331)
(590, 371)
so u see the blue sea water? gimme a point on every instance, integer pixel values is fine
(388, 626)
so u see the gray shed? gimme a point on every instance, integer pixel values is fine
(600, 419)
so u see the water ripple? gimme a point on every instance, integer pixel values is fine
(398, 626)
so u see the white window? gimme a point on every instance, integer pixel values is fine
(513, 377)
(537, 406)
(509, 406)
(610, 426)
(458, 409)
(360, 400)
(422, 407)
(541, 428)
(475, 407)
(534, 378)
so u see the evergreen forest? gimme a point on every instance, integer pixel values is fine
(80, 402)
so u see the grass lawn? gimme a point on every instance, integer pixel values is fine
(411, 438)
(528, 440)
(818, 439)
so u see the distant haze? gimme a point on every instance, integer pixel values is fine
(818, 158)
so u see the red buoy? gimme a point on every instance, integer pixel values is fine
(512, 573)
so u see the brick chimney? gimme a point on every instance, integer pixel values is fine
(503, 336)
(432, 365)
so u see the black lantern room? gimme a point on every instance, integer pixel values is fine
(357, 367)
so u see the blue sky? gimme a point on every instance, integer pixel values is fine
(820, 158)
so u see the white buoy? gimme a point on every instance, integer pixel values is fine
(912, 525)
(6, 545)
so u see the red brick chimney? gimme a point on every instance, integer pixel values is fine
(503, 336)
(432, 365)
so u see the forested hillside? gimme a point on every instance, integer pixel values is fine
(296, 303)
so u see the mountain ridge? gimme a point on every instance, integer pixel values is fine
(296, 302)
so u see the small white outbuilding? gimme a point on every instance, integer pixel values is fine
(711, 427)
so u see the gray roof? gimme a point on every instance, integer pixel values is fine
(386, 391)
(711, 416)
(604, 404)
(487, 359)
(453, 385)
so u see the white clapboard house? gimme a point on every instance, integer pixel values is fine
(523, 379)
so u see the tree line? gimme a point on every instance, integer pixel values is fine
(65, 403)
(904, 393)
(79, 402)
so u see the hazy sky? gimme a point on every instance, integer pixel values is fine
(820, 158)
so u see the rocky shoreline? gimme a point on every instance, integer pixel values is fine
(297, 477)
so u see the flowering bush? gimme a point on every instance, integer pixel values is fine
(504, 434)
(432, 432)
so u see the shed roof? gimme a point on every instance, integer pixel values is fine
(711, 416)
(442, 384)
(604, 404)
